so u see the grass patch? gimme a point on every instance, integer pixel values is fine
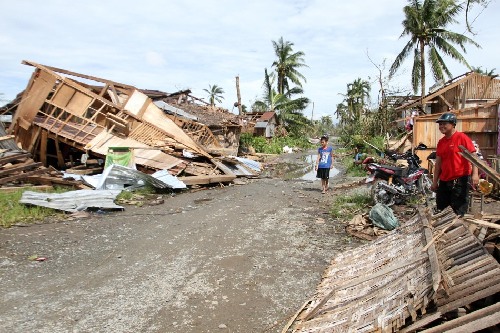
(347, 205)
(11, 211)
(351, 169)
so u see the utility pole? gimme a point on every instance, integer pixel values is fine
(312, 113)
(240, 107)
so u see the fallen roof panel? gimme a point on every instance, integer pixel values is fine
(73, 201)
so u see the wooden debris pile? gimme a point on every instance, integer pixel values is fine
(59, 120)
(412, 279)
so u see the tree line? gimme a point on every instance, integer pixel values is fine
(428, 41)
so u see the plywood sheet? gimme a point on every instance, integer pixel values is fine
(79, 103)
(148, 157)
(63, 96)
(33, 101)
(135, 103)
(153, 115)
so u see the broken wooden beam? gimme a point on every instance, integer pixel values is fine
(472, 322)
(203, 180)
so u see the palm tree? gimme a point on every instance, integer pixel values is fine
(425, 23)
(490, 73)
(288, 110)
(214, 94)
(287, 64)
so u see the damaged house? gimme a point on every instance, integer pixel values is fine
(59, 118)
(474, 98)
(215, 128)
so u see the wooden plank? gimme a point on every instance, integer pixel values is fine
(19, 176)
(60, 158)
(43, 147)
(88, 77)
(12, 189)
(199, 180)
(11, 158)
(20, 167)
(469, 299)
(480, 164)
(483, 223)
(425, 320)
(431, 250)
(53, 180)
(472, 322)
(6, 137)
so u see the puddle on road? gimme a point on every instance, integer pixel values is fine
(308, 173)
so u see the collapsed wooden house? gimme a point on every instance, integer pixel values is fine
(475, 98)
(407, 281)
(217, 129)
(59, 118)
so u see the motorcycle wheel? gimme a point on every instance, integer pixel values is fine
(380, 195)
(424, 187)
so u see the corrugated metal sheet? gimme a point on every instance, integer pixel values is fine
(73, 201)
(173, 110)
(118, 177)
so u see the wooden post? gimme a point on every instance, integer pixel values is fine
(43, 147)
(240, 107)
(60, 158)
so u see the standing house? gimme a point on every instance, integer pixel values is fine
(266, 125)
(474, 98)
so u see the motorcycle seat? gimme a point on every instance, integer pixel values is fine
(396, 170)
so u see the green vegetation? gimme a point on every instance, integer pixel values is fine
(274, 145)
(12, 211)
(346, 206)
(425, 24)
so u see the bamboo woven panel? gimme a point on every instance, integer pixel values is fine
(372, 288)
(383, 286)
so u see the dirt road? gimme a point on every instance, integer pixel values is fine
(227, 259)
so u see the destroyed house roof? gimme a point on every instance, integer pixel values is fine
(174, 111)
(266, 116)
(475, 86)
(195, 107)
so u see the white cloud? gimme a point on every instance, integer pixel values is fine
(190, 44)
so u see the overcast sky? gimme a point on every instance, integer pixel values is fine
(174, 45)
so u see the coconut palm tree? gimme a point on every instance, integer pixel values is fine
(214, 94)
(490, 73)
(287, 65)
(288, 109)
(425, 23)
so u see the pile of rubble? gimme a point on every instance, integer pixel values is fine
(62, 120)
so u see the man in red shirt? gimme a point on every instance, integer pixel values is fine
(452, 171)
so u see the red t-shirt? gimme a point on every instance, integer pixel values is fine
(453, 165)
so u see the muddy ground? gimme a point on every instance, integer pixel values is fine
(239, 258)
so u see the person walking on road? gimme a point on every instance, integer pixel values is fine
(324, 163)
(452, 172)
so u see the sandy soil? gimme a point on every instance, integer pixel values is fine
(240, 258)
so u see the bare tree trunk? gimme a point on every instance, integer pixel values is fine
(240, 107)
(422, 69)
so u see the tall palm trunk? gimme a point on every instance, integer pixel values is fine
(422, 67)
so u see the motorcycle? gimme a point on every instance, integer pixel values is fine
(395, 185)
